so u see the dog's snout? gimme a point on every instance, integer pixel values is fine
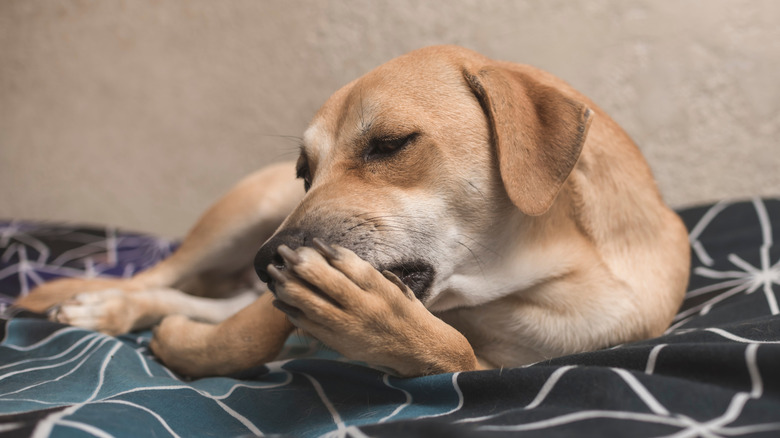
(268, 254)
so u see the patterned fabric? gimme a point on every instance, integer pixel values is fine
(713, 374)
(32, 253)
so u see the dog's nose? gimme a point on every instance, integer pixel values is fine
(268, 255)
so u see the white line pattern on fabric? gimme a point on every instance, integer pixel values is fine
(102, 374)
(69, 372)
(334, 413)
(47, 339)
(699, 228)
(53, 357)
(456, 387)
(748, 280)
(7, 427)
(642, 392)
(402, 406)
(548, 386)
(733, 337)
(157, 416)
(92, 430)
(243, 420)
(653, 357)
(582, 416)
(751, 354)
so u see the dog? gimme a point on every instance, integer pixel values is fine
(455, 213)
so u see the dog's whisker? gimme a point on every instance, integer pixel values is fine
(431, 235)
(383, 244)
(410, 230)
(477, 189)
(390, 226)
(295, 138)
(481, 245)
(383, 216)
(476, 259)
(286, 154)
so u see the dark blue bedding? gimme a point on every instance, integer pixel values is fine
(715, 373)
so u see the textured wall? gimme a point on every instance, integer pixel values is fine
(139, 113)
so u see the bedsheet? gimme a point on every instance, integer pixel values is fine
(714, 373)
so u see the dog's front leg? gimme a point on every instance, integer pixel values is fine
(221, 245)
(366, 315)
(251, 337)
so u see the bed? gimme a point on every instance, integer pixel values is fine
(714, 373)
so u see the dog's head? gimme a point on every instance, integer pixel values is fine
(419, 165)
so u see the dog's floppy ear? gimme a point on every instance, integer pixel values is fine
(537, 131)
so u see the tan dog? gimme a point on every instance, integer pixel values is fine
(456, 208)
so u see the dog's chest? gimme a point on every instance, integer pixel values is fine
(496, 333)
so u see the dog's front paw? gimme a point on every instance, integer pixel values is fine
(48, 295)
(365, 315)
(108, 311)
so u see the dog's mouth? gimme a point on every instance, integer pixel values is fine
(417, 276)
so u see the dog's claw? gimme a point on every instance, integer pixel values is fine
(290, 311)
(397, 281)
(278, 276)
(53, 313)
(289, 256)
(325, 249)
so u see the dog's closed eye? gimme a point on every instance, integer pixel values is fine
(302, 171)
(384, 147)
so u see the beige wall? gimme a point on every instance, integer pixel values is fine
(139, 113)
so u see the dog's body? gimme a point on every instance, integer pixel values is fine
(465, 208)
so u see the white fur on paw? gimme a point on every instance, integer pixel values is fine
(100, 310)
